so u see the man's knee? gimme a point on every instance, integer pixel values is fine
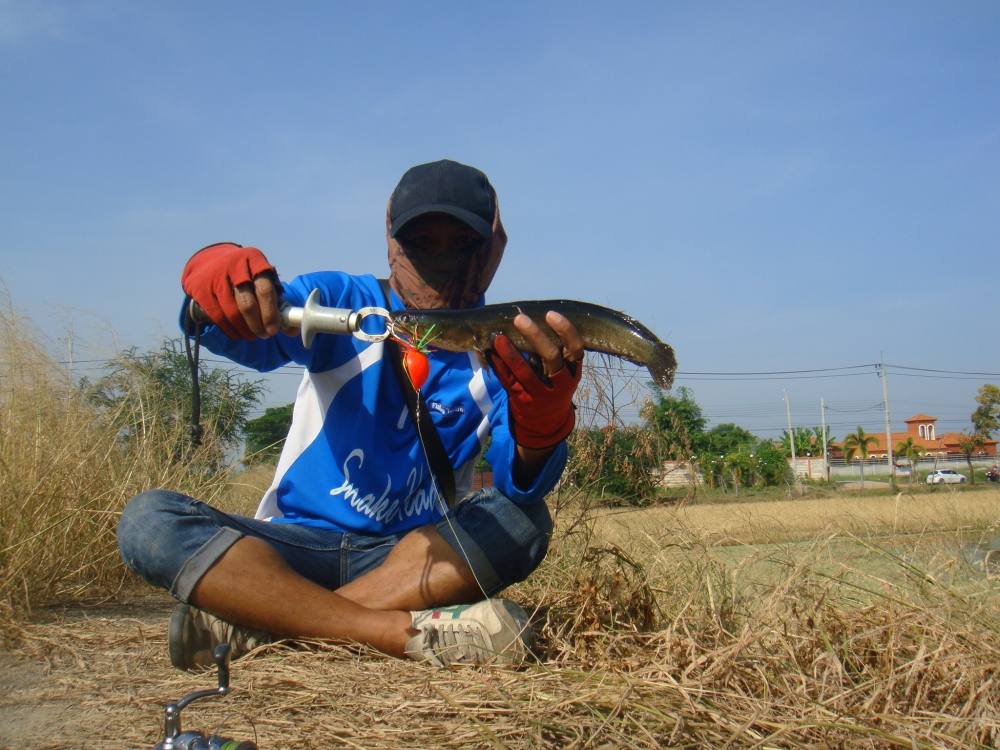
(148, 533)
(534, 541)
(142, 520)
(503, 542)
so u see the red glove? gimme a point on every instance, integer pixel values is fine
(210, 277)
(541, 412)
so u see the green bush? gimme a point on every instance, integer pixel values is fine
(616, 463)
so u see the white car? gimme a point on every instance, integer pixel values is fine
(945, 476)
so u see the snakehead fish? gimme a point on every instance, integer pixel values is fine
(603, 330)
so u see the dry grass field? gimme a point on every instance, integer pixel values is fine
(775, 521)
(841, 622)
(657, 630)
(834, 516)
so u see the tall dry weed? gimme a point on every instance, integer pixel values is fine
(701, 653)
(65, 475)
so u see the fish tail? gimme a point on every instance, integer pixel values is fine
(662, 365)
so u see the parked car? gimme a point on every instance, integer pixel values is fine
(945, 476)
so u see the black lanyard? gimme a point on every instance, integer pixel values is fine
(437, 459)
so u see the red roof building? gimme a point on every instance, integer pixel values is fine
(923, 429)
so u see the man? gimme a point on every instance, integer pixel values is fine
(353, 540)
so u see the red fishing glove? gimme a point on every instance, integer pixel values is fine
(541, 410)
(210, 276)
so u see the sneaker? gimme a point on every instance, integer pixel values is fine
(491, 631)
(194, 633)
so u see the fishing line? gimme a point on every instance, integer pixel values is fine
(417, 416)
(443, 507)
(447, 517)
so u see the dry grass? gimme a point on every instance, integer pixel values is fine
(635, 654)
(65, 476)
(649, 635)
(779, 521)
(244, 489)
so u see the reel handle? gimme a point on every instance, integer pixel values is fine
(176, 739)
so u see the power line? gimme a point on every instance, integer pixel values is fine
(780, 372)
(949, 372)
(936, 377)
(844, 371)
(870, 407)
(738, 379)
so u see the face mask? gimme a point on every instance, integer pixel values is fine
(427, 275)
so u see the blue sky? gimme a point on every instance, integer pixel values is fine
(770, 187)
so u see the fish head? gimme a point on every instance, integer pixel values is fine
(415, 328)
(405, 325)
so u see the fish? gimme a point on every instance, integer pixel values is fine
(603, 330)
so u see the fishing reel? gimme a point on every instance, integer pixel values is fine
(176, 739)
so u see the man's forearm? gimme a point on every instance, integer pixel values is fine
(528, 464)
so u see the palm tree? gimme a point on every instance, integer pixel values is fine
(969, 443)
(912, 453)
(805, 443)
(856, 443)
(818, 440)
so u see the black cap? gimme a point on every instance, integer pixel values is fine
(445, 187)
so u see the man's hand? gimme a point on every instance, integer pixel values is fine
(236, 287)
(541, 404)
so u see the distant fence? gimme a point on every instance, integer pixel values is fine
(880, 466)
(681, 473)
(816, 468)
(809, 468)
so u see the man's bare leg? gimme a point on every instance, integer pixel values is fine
(422, 571)
(253, 585)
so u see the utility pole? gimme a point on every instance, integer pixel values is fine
(888, 422)
(822, 420)
(791, 443)
(791, 437)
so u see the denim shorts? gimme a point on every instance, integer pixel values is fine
(172, 540)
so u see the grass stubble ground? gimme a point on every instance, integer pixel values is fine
(838, 622)
(658, 637)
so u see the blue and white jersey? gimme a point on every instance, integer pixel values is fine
(352, 460)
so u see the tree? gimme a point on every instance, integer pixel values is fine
(856, 444)
(805, 443)
(266, 434)
(759, 463)
(616, 461)
(986, 417)
(725, 438)
(969, 443)
(912, 453)
(772, 466)
(678, 421)
(818, 432)
(152, 391)
(808, 441)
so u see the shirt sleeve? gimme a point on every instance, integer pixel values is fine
(269, 354)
